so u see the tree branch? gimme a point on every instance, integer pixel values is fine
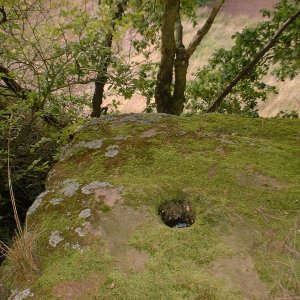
(22, 93)
(10, 83)
(249, 67)
(178, 30)
(201, 33)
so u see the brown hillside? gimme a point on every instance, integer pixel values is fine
(247, 8)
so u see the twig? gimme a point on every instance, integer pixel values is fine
(11, 192)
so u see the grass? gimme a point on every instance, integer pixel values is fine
(21, 261)
(241, 176)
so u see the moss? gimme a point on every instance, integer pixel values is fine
(167, 282)
(65, 265)
(234, 170)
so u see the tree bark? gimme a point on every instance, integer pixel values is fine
(181, 66)
(175, 57)
(105, 60)
(163, 93)
(249, 67)
(183, 56)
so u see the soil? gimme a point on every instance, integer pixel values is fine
(79, 289)
(259, 180)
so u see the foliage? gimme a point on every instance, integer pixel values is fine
(52, 49)
(32, 145)
(282, 60)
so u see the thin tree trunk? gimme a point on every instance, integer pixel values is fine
(249, 67)
(201, 33)
(174, 104)
(181, 66)
(101, 79)
(163, 94)
(105, 61)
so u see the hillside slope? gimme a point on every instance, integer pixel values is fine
(101, 236)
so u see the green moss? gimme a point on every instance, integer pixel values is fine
(70, 264)
(167, 282)
(237, 172)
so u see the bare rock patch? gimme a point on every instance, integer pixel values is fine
(79, 289)
(115, 229)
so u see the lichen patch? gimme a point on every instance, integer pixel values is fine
(55, 238)
(91, 187)
(69, 187)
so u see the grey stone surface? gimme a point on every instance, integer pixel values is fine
(89, 188)
(55, 238)
(70, 150)
(69, 187)
(56, 201)
(37, 202)
(94, 144)
(121, 137)
(79, 231)
(77, 247)
(20, 295)
(51, 174)
(85, 213)
(112, 151)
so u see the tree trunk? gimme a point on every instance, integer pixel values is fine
(105, 61)
(173, 46)
(181, 66)
(163, 93)
(249, 67)
(101, 79)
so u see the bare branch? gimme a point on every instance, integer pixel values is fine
(201, 33)
(10, 83)
(178, 30)
(249, 67)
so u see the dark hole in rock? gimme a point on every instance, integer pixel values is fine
(177, 213)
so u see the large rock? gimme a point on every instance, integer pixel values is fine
(101, 233)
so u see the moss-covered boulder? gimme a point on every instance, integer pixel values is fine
(101, 235)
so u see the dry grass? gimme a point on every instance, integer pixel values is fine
(20, 257)
(219, 36)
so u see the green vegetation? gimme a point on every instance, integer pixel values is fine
(240, 174)
(241, 177)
